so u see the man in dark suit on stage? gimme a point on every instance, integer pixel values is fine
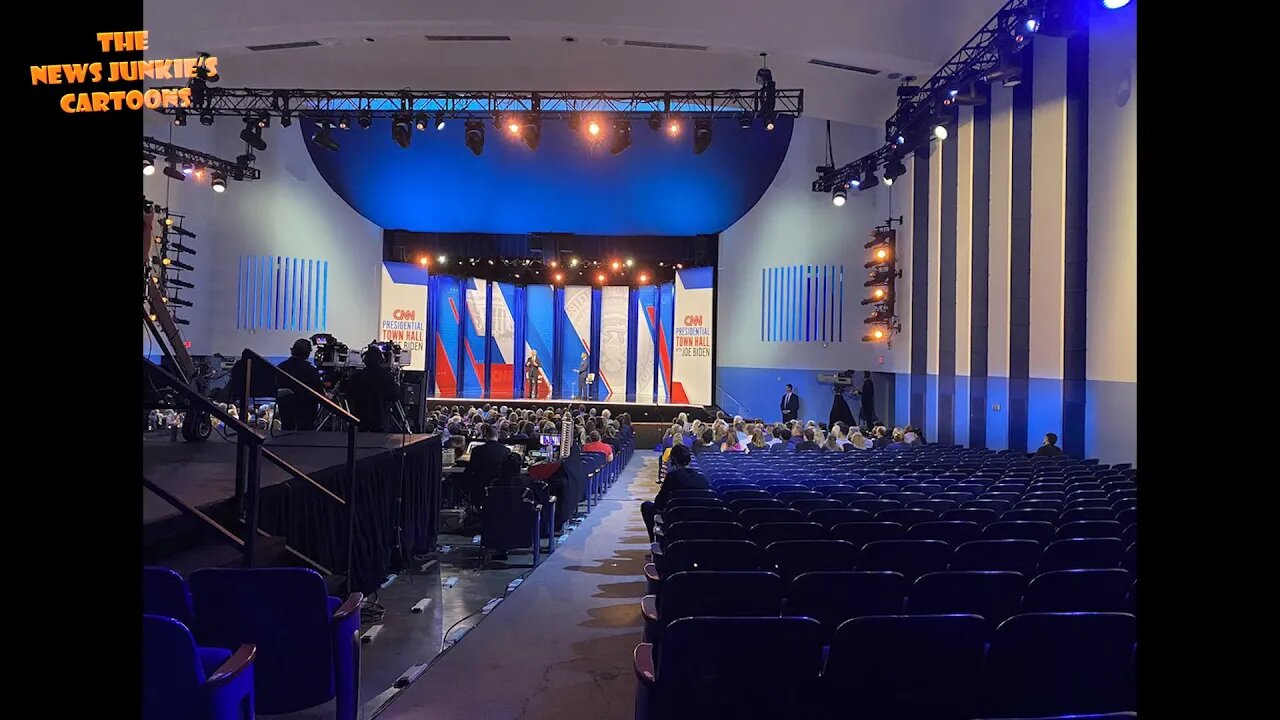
(584, 368)
(532, 374)
(790, 405)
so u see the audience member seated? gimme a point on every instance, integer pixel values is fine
(731, 442)
(807, 443)
(880, 437)
(484, 466)
(1050, 447)
(679, 477)
(706, 442)
(595, 444)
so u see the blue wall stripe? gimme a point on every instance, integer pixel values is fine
(1076, 248)
(947, 297)
(978, 358)
(1020, 259)
(281, 293)
(919, 324)
(841, 338)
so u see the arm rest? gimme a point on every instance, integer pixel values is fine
(651, 572)
(655, 549)
(649, 607)
(349, 606)
(232, 668)
(642, 659)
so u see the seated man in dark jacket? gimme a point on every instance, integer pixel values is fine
(679, 477)
(298, 407)
(484, 466)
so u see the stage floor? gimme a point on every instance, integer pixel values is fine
(203, 474)
(639, 411)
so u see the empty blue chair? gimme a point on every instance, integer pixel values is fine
(711, 555)
(848, 496)
(765, 533)
(1079, 591)
(1020, 556)
(831, 518)
(875, 506)
(933, 505)
(776, 489)
(1130, 559)
(703, 530)
(694, 502)
(714, 593)
(1088, 503)
(1055, 505)
(1127, 517)
(1020, 514)
(906, 517)
(1082, 554)
(710, 514)
(308, 644)
(955, 496)
(1045, 664)
(981, 516)
(710, 667)
(790, 558)
(912, 558)
(693, 494)
(831, 597)
(904, 497)
(738, 506)
(861, 533)
(731, 495)
(1090, 529)
(1082, 514)
(995, 504)
(1122, 505)
(1041, 532)
(756, 516)
(809, 505)
(951, 532)
(923, 667)
(994, 595)
(180, 680)
(165, 593)
(926, 489)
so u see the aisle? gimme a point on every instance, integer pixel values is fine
(560, 646)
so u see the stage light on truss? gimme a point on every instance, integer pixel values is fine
(206, 117)
(252, 135)
(744, 121)
(532, 130)
(401, 130)
(365, 119)
(558, 277)
(573, 262)
(553, 263)
(900, 140)
(286, 119)
(888, 181)
(420, 122)
(148, 165)
(894, 169)
(219, 182)
(630, 262)
(475, 136)
(854, 184)
(655, 121)
(171, 170)
(424, 261)
(442, 259)
(264, 120)
(439, 121)
(593, 127)
(176, 282)
(644, 278)
(600, 278)
(621, 137)
(188, 168)
(180, 117)
(168, 221)
(344, 122)
(1034, 16)
(770, 121)
(513, 125)
(324, 136)
(939, 133)
(679, 266)
(176, 301)
(701, 136)
(839, 196)
(879, 333)
(615, 265)
(673, 127)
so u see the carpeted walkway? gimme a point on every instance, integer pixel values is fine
(560, 646)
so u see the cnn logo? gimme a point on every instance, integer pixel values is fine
(404, 314)
(693, 320)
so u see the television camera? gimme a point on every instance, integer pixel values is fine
(839, 380)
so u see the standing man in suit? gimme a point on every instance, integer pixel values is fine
(868, 397)
(584, 368)
(790, 405)
(532, 373)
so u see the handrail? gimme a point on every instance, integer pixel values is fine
(243, 429)
(223, 534)
(298, 384)
(741, 407)
(298, 474)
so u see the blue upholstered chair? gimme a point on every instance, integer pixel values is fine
(164, 593)
(308, 642)
(511, 519)
(181, 680)
(832, 597)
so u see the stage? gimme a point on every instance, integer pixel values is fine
(639, 411)
(397, 497)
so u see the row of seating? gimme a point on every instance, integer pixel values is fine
(1044, 525)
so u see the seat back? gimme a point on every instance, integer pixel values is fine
(912, 558)
(909, 667)
(1045, 664)
(508, 519)
(995, 595)
(861, 533)
(703, 530)
(1079, 591)
(766, 533)
(951, 532)
(808, 506)
(720, 593)
(1090, 529)
(171, 674)
(164, 593)
(981, 516)
(790, 558)
(1081, 553)
(715, 667)
(711, 555)
(285, 612)
(831, 597)
(906, 517)
(756, 516)
(708, 514)
(1021, 556)
(1030, 514)
(1041, 532)
(750, 503)
(829, 518)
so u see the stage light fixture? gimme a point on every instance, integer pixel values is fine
(344, 122)
(423, 261)
(533, 130)
(679, 266)
(655, 121)
(365, 119)
(621, 137)
(855, 183)
(513, 125)
(252, 135)
(877, 334)
(630, 262)
(420, 122)
(442, 259)
(168, 221)
(286, 120)
(894, 169)
(888, 181)
(1114, 4)
(559, 277)
(206, 117)
(1034, 16)
(573, 262)
(324, 136)
(869, 180)
(701, 136)
(219, 182)
(175, 282)
(744, 121)
(940, 132)
(439, 121)
(838, 197)
(490, 261)
(148, 164)
(673, 127)
(900, 140)
(171, 170)
(401, 131)
(178, 302)
(600, 278)
(553, 263)
(593, 127)
(264, 120)
(770, 121)
(615, 265)
(475, 136)
(180, 117)
(643, 278)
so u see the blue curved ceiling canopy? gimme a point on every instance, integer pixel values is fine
(658, 186)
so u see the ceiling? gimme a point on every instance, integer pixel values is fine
(382, 44)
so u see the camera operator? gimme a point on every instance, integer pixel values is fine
(371, 391)
(840, 411)
(297, 408)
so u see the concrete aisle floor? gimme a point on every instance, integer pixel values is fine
(560, 645)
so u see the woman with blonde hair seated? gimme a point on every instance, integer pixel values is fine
(731, 442)
(857, 441)
(757, 440)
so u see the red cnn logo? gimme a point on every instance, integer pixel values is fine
(404, 314)
(693, 320)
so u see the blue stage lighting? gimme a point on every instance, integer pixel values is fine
(1114, 4)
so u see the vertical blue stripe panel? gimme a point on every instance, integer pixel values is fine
(763, 305)
(841, 303)
(240, 293)
(324, 315)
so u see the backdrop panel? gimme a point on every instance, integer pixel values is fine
(403, 315)
(645, 343)
(502, 341)
(540, 335)
(448, 335)
(614, 303)
(575, 336)
(474, 338)
(666, 321)
(691, 363)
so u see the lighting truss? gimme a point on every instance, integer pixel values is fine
(978, 57)
(639, 105)
(162, 150)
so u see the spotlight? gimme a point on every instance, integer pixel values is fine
(206, 117)
(769, 121)
(630, 262)
(148, 165)
(621, 136)
(701, 136)
(643, 278)
(673, 127)
(655, 121)
(573, 262)
(1114, 4)
(513, 125)
(286, 120)
(172, 171)
(615, 265)
(593, 127)
(940, 132)
(894, 169)
(401, 131)
(252, 135)
(600, 277)
(490, 261)
(324, 136)
(168, 221)
(219, 182)
(744, 121)
(180, 117)
(573, 121)
(475, 136)
(553, 263)
(188, 168)
(838, 197)
(344, 122)
(264, 120)
(442, 259)
(559, 277)
(900, 140)
(679, 266)
(888, 181)
(365, 118)
(854, 183)
(870, 180)
(423, 261)
(420, 122)
(533, 131)
(439, 121)
(876, 335)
